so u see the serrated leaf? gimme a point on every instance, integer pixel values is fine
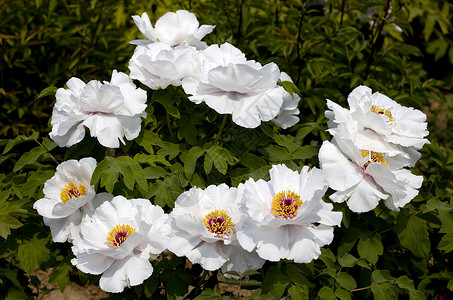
(32, 253)
(6, 224)
(218, 156)
(446, 243)
(60, 275)
(189, 132)
(151, 159)
(413, 235)
(106, 172)
(191, 160)
(125, 168)
(35, 180)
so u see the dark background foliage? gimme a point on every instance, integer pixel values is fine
(401, 48)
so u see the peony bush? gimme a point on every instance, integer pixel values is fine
(217, 157)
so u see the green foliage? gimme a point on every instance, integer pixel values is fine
(405, 52)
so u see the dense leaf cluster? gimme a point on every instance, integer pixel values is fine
(327, 48)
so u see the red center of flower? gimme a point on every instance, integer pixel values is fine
(380, 110)
(373, 157)
(219, 223)
(72, 191)
(119, 234)
(285, 205)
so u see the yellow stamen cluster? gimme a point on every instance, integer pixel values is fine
(373, 157)
(285, 205)
(70, 190)
(119, 234)
(380, 110)
(219, 223)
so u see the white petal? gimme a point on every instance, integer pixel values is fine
(209, 255)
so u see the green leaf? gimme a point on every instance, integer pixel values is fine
(189, 132)
(6, 224)
(175, 286)
(60, 275)
(276, 153)
(326, 293)
(19, 140)
(155, 172)
(413, 235)
(305, 152)
(297, 292)
(380, 276)
(347, 260)
(383, 291)
(167, 100)
(343, 294)
(446, 243)
(107, 172)
(218, 156)
(252, 161)
(151, 159)
(405, 282)
(370, 248)
(450, 285)
(417, 295)
(346, 281)
(29, 158)
(35, 180)
(191, 160)
(165, 191)
(33, 253)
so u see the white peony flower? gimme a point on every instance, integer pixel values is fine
(362, 177)
(231, 84)
(111, 110)
(68, 196)
(287, 115)
(118, 240)
(376, 122)
(204, 224)
(158, 65)
(179, 28)
(286, 217)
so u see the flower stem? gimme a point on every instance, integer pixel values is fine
(239, 287)
(225, 117)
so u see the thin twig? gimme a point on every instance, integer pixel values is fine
(239, 287)
(367, 287)
(374, 36)
(238, 36)
(47, 151)
(342, 11)
(298, 43)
